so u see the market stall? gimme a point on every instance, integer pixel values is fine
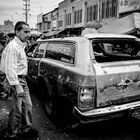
(127, 25)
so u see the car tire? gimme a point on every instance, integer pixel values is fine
(57, 109)
(48, 102)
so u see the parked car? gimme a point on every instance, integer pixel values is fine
(87, 79)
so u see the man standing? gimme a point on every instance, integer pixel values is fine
(14, 65)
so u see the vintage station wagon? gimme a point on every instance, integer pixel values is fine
(86, 79)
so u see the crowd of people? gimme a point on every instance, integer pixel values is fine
(5, 38)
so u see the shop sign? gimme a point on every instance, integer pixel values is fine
(128, 5)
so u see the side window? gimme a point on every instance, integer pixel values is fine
(61, 51)
(97, 48)
(32, 48)
(39, 53)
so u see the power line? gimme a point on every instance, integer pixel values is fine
(26, 5)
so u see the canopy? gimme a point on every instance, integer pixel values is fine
(53, 33)
(50, 33)
(125, 25)
(35, 32)
(88, 31)
(95, 25)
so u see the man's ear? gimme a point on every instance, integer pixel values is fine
(16, 32)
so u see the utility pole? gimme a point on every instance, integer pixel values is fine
(26, 4)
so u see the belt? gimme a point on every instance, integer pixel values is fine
(22, 76)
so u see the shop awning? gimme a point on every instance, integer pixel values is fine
(35, 32)
(95, 25)
(89, 31)
(123, 25)
(52, 33)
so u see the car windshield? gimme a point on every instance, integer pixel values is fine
(116, 50)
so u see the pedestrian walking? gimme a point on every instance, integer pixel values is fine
(14, 65)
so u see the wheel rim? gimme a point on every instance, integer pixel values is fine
(47, 103)
(48, 107)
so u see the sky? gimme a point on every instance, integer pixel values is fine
(13, 10)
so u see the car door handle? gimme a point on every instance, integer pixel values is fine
(43, 72)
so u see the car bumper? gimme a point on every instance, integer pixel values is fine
(96, 115)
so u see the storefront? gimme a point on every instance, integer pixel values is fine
(127, 25)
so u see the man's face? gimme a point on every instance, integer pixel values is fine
(24, 33)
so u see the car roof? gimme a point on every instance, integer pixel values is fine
(107, 35)
(93, 36)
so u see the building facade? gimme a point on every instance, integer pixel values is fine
(78, 14)
(128, 6)
(7, 27)
(46, 18)
(40, 23)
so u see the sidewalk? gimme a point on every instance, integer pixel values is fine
(5, 107)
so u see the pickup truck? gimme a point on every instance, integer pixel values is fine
(89, 78)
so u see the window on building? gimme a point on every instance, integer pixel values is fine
(60, 23)
(103, 10)
(96, 12)
(75, 17)
(110, 9)
(114, 8)
(88, 14)
(68, 19)
(107, 9)
(92, 13)
(78, 16)
(49, 25)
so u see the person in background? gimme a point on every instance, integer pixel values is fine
(3, 41)
(4, 93)
(14, 65)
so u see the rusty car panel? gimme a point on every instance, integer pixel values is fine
(118, 84)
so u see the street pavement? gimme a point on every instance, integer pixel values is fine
(5, 107)
(47, 131)
(120, 129)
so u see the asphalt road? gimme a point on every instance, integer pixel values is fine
(121, 129)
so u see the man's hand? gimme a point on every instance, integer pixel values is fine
(19, 90)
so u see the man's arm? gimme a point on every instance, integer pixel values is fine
(11, 66)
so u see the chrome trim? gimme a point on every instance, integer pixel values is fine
(108, 110)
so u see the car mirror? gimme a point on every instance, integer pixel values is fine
(30, 54)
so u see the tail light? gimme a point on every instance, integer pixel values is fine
(86, 98)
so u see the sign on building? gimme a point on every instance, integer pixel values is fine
(128, 5)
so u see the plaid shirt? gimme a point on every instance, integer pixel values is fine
(14, 61)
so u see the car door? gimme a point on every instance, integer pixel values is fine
(59, 55)
(33, 62)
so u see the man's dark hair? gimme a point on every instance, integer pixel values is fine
(18, 25)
